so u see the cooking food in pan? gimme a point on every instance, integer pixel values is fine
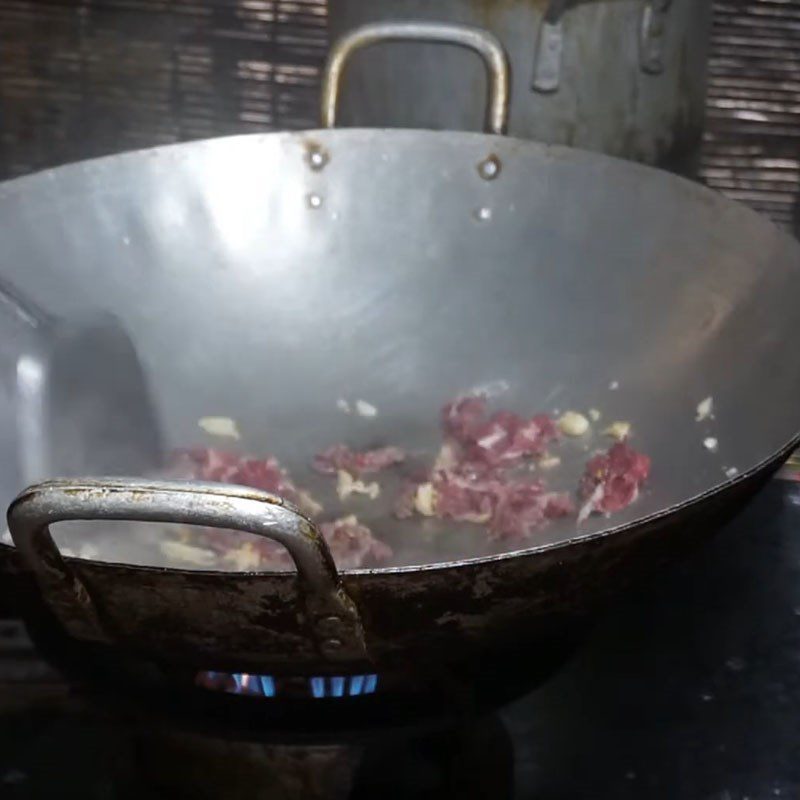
(492, 469)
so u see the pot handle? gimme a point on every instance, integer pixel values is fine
(482, 42)
(332, 616)
(652, 30)
(550, 42)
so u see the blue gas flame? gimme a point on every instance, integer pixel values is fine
(343, 686)
(245, 683)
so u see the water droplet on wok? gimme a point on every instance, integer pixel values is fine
(483, 214)
(313, 200)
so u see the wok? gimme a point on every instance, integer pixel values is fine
(265, 276)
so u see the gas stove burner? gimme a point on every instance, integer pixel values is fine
(318, 687)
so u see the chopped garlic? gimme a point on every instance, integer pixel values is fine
(711, 444)
(245, 558)
(220, 426)
(705, 409)
(492, 439)
(549, 462)
(189, 554)
(365, 409)
(594, 414)
(731, 472)
(343, 405)
(573, 424)
(347, 485)
(425, 499)
(307, 504)
(618, 430)
(344, 483)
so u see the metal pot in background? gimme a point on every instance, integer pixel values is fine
(623, 77)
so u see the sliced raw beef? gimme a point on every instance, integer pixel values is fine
(501, 440)
(210, 464)
(341, 457)
(612, 480)
(353, 545)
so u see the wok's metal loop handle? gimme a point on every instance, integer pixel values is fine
(482, 42)
(333, 618)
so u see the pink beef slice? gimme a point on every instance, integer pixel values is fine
(612, 480)
(512, 509)
(404, 503)
(463, 418)
(501, 440)
(464, 498)
(507, 438)
(524, 508)
(210, 464)
(353, 545)
(341, 457)
(474, 483)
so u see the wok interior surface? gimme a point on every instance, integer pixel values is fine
(259, 288)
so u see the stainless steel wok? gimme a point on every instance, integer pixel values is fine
(265, 276)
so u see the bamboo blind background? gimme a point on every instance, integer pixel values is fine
(81, 78)
(752, 143)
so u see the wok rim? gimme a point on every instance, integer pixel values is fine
(452, 139)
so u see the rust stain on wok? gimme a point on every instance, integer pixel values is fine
(316, 154)
(307, 531)
(490, 167)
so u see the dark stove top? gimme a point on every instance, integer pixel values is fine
(689, 689)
